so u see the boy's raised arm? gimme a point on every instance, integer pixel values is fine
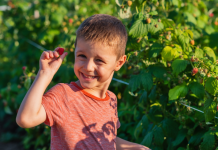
(31, 112)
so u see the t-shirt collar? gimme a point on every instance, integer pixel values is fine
(90, 95)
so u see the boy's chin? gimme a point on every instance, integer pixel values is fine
(87, 85)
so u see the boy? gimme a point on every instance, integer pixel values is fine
(82, 114)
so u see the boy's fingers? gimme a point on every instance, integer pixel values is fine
(51, 54)
(63, 56)
(56, 48)
(56, 54)
(45, 55)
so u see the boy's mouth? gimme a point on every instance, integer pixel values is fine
(87, 77)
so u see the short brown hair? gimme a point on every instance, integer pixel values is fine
(106, 29)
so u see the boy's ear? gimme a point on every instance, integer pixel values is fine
(120, 62)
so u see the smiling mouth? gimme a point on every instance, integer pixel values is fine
(88, 77)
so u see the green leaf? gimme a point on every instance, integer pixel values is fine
(177, 91)
(189, 17)
(8, 110)
(118, 2)
(170, 127)
(209, 29)
(158, 135)
(163, 100)
(175, 2)
(211, 85)
(209, 110)
(56, 18)
(143, 123)
(168, 23)
(138, 29)
(155, 50)
(199, 53)
(143, 98)
(210, 53)
(208, 141)
(182, 41)
(158, 71)
(168, 53)
(179, 66)
(197, 89)
(146, 80)
(134, 82)
(180, 137)
(27, 83)
(196, 138)
(190, 33)
(152, 95)
(147, 139)
(181, 148)
(151, 27)
(153, 13)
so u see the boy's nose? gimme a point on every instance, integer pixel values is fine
(90, 65)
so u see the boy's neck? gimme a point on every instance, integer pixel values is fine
(99, 92)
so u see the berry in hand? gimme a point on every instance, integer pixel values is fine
(60, 51)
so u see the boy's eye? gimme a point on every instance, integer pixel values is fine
(82, 56)
(99, 60)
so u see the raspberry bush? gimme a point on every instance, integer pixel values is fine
(175, 70)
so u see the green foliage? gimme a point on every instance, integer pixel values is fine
(168, 55)
(178, 91)
(179, 66)
(197, 89)
(208, 141)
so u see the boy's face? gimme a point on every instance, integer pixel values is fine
(95, 64)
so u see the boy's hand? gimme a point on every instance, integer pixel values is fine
(50, 61)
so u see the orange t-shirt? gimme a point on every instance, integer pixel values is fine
(80, 120)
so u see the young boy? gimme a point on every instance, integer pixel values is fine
(82, 114)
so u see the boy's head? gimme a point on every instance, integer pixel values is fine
(105, 29)
(100, 50)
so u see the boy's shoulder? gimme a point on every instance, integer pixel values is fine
(111, 94)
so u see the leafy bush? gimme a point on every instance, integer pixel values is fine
(173, 69)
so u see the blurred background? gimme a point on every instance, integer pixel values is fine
(27, 28)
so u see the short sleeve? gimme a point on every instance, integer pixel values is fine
(54, 102)
(118, 123)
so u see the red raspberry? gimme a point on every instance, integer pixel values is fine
(195, 70)
(24, 67)
(211, 14)
(70, 20)
(60, 51)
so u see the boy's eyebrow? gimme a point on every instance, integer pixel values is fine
(100, 57)
(79, 50)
